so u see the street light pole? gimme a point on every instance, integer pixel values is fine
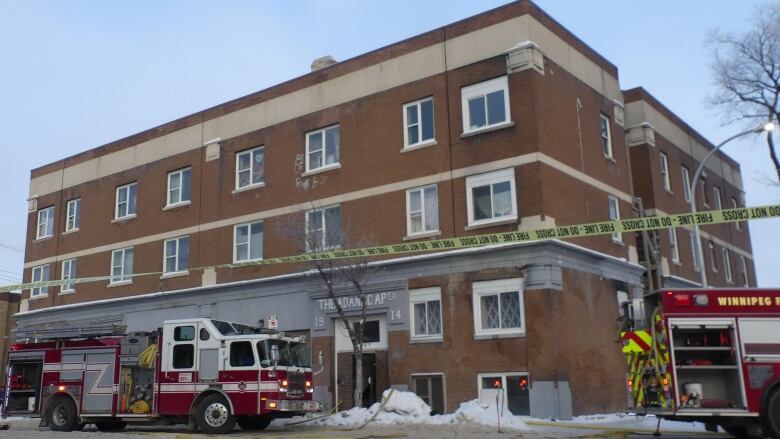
(692, 190)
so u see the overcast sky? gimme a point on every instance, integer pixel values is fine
(75, 75)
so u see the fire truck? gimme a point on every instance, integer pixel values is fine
(707, 355)
(206, 373)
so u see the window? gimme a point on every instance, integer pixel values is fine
(45, 223)
(183, 356)
(694, 252)
(322, 149)
(73, 215)
(485, 105)
(371, 332)
(204, 334)
(430, 388)
(511, 387)
(422, 209)
(248, 242)
(727, 264)
(614, 215)
(184, 333)
(686, 178)
(744, 271)
(425, 309)
(735, 205)
(242, 354)
(125, 201)
(718, 199)
(179, 186)
(418, 123)
(491, 197)
(68, 273)
(705, 199)
(498, 307)
(122, 265)
(606, 135)
(40, 274)
(323, 228)
(176, 255)
(250, 167)
(713, 259)
(665, 171)
(673, 245)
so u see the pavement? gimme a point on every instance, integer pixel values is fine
(28, 428)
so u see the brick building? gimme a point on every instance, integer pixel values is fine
(9, 305)
(501, 122)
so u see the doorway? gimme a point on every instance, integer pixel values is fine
(369, 378)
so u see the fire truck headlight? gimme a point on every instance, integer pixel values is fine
(701, 300)
(284, 383)
(308, 383)
(61, 388)
(272, 405)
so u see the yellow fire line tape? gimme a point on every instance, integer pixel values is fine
(563, 232)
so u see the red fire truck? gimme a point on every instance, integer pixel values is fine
(708, 355)
(206, 373)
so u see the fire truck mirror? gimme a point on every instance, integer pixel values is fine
(275, 354)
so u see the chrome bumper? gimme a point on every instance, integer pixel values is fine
(285, 405)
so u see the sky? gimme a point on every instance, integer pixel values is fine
(75, 75)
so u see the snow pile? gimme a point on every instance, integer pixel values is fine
(408, 408)
(626, 420)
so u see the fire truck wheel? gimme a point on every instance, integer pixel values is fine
(62, 414)
(254, 422)
(214, 415)
(772, 416)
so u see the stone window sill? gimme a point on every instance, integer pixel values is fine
(417, 146)
(124, 218)
(422, 235)
(508, 220)
(496, 127)
(175, 205)
(248, 188)
(322, 169)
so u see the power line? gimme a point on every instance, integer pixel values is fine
(11, 248)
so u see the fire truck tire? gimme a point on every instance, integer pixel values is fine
(110, 425)
(737, 431)
(254, 422)
(214, 415)
(772, 415)
(62, 414)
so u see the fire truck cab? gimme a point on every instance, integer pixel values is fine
(207, 373)
(708, 355)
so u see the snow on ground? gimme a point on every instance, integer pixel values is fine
(634, 421)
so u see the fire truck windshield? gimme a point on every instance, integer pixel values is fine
(290, 353)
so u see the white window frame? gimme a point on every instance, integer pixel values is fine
(718, 198)
(483, 89)
(735, 205)
(745, 277)
(423, 213)
(665, 172)
(613, 201)
(178, 269)
(251, 152)
(425, 295)
(45, 219)
(673, 246)
(704, 198)
(248, 242)
(694, 252)
(686, 177)
(125, 277)
(69, 267)
(180, 202)
(324, 166)
(128, 214)
(495, 288)
(73, 215)
(421, 142)
(37, 275)
(727, 264)
(503, 375)
(325, 233)
(713, 256)
(609, 153)
(490, 178)
(341, 335)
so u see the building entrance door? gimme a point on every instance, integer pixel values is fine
(369, 378)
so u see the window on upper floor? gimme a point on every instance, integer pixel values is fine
(694, 252)
(422, 210)
(606, 135)
(122, 266)
(73, 215)
(686, 181)
(425, 310)
(713, 257)
(250, 168)
(735, 205)
(485, 105)
(675, 250)
(248, 242)
(125, 201)
(179, 187)
(323, 229)
(419, 127)
(322, 149)
(68, 273)
(498, 307)
(39, 274)
(490, 197)
(743, 271)
(176, 255)
(705, 198)
(614, 215)
(45, 227)
(665, 171)
(718, 198)
(727, 264)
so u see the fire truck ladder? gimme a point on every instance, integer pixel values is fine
(70, 331)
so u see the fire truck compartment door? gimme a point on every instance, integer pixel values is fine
(209, 364)
(760, 339)
(99, 382)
